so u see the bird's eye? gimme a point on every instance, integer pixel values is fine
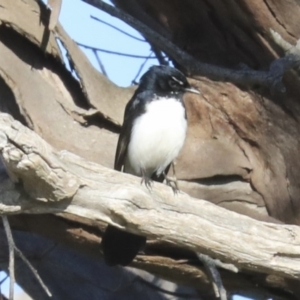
(173, 84)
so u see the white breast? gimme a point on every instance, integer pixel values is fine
(157, 137)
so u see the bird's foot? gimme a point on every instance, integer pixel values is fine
(172, 182)
(147, 180)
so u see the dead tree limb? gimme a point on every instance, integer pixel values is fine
(64, 182)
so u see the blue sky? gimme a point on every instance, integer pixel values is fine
(75, 18)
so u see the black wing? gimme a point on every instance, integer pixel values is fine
(134, 108)
(123, 143)
(120, 247)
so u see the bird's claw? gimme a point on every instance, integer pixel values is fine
(172, 182)
(147, 181)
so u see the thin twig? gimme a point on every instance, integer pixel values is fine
(225, 266)
(210, 266)
(33, 270)
(140, 69)
(152, 36)
(11, 266)
(118, 29)
(2, 297)
(271, 79)
(3, 280)
(12, 249)
(113, 52)
(101, 66)
(161, 59)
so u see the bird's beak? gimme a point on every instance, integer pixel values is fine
(192, 90)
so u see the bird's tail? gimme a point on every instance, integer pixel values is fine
(120, 247)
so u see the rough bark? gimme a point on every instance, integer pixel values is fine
(47, 181)
(63, 182)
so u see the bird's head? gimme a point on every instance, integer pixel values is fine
(165, 80)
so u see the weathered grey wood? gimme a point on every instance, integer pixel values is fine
(64, 182)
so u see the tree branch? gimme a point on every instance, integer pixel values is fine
(100, 64)
(63, 182)
(213, 272)
(118, 29)
(115, 52)
(11, 250)
(271, 79)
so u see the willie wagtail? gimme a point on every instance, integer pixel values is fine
(151, 137)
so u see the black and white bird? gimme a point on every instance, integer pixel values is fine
(151, 137)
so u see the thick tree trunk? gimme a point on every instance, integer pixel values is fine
(241, 151)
